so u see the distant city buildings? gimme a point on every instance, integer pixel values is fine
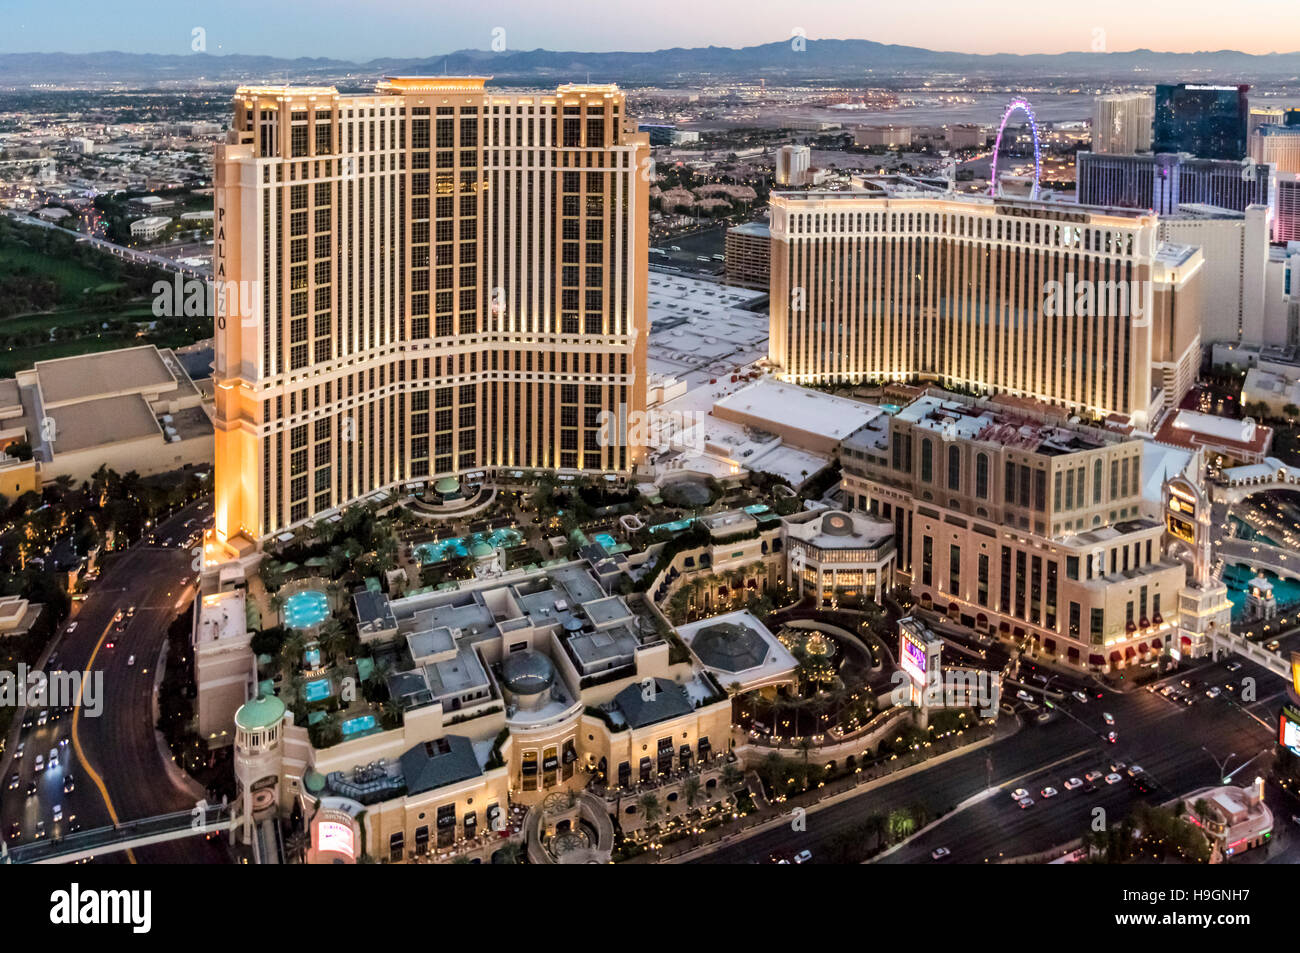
(1161, 182)
(1209, 122)
(1121, 123)
(1276, 146)
(793, 165)
(749, 255)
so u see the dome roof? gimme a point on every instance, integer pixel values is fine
(480, 549)
(260, 712)
(527, 672)
(730, 647)
(837, 524)
(447, 485)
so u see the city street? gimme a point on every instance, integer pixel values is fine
(115, 760)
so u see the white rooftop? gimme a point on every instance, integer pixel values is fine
(789, 405)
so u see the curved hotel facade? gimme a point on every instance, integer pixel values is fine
(957, 289)
(429, 281)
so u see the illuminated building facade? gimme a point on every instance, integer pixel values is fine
(425, 282)
(955, 289)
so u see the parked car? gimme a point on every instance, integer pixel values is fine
(939, 853)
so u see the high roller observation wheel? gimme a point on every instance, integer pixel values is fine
(1023, 106)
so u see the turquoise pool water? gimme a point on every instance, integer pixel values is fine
(317, 691)
(676, 526)
(755, 508)
(354, 726)
(890, 408)
(606, 540)
(1246, 531)
(1238, 577)
(304, 609)
(458, 546)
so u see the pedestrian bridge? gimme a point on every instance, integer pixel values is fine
(124, 836)
(1235, 484)
(1258, 555)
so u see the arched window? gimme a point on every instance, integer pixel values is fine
(982, 476)
(954, 468)
(1096, 481)
(927, 461)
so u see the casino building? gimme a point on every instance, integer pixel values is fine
(427, 281)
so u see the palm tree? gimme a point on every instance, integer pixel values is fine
(691, 791)
(732, 776)
(296, 844)
(650, 808)
(512, 852)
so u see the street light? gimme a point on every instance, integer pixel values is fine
(1222, 765)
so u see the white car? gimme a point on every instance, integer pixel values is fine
(18, 752)
(58, 812)
(1108, 718)
(1134, 770)
(1019, 794)
(40, 763)
(43, 717)
(803, 857)
(1025, 802)
(1024, 696)
(130, 660)
(54, 758)
(939, 853)
(1081, 697)
(1113, 779)
(1048, 792)
(1213, 691)
(1073, 783)
(72, 627)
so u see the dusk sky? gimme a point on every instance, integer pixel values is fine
(345, 29)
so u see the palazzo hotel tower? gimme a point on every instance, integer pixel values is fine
(430, 281)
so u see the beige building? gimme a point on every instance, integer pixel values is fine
(1121, 123)
(749, 255)
(432, 280)
(1277, 146)
(522, 699)
(130, 409)
(966, 290)
(1016, 522)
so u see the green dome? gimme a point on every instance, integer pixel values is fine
(313, 781)
(447, 485)
(261, 712)
(480, 549)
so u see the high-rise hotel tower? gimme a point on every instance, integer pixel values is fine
(1073, 306)
(430, 281)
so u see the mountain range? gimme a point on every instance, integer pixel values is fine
(840, 60)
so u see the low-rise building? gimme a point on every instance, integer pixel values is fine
(150, 228)
(1235, 819)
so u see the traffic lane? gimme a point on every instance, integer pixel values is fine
(940, 787)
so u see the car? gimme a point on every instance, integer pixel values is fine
(1112, 737)
(1168, 690)
(1073, 783)
(939, 853)
(117, 616)
(109, 644)
(1142, 784)
(1117, 766)
(1024, 696)
(1188, 700)
(1081, 696)
(803, 856)
(1108, 717)
(1189, 683)
(13, 781)
(1273, 645)
(1088, 788)
(130, 612)
(58, 812)
(40, 830)
(42, 717)
(1230, 687)
(69, 784)
(1019, 794)
(130, 660)
(1233, 666)
(1214, 691)
(72, 627)
(1047, 792)
(1094, 775)
(40, 763)
(18, 752)
(31, 789)
(29, 722)
(15, 831)
(1113, 779)
(1134, 770)
(54, 758)
(1025, 802)
(74, 826)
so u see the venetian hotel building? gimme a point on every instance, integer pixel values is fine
(905, 285)
(429, 281)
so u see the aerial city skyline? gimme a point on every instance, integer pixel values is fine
(803, 454)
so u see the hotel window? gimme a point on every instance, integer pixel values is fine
(927, 560)
(982, 476)
(1009, 482)
(927, 461)
(1096, 481)
(954, 570)
(954, 468)
(1095, 624)
(396, 843)
(983, 591)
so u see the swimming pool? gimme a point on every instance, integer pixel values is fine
(354, 726)
(302, 610)
(1237, 578)
(676, 526)
(318, 690)
(890, 409)
(458, 546)
(606, 540)
(755, 508)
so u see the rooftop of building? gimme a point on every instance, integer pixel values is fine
(837, 529)
(437, 763)
(757, 229)
(1035, 427)
(788, 405)
(1192, 429)
(103, 374)
(102, 421)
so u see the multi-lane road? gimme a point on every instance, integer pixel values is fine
(1166, 737)
(116, 759)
